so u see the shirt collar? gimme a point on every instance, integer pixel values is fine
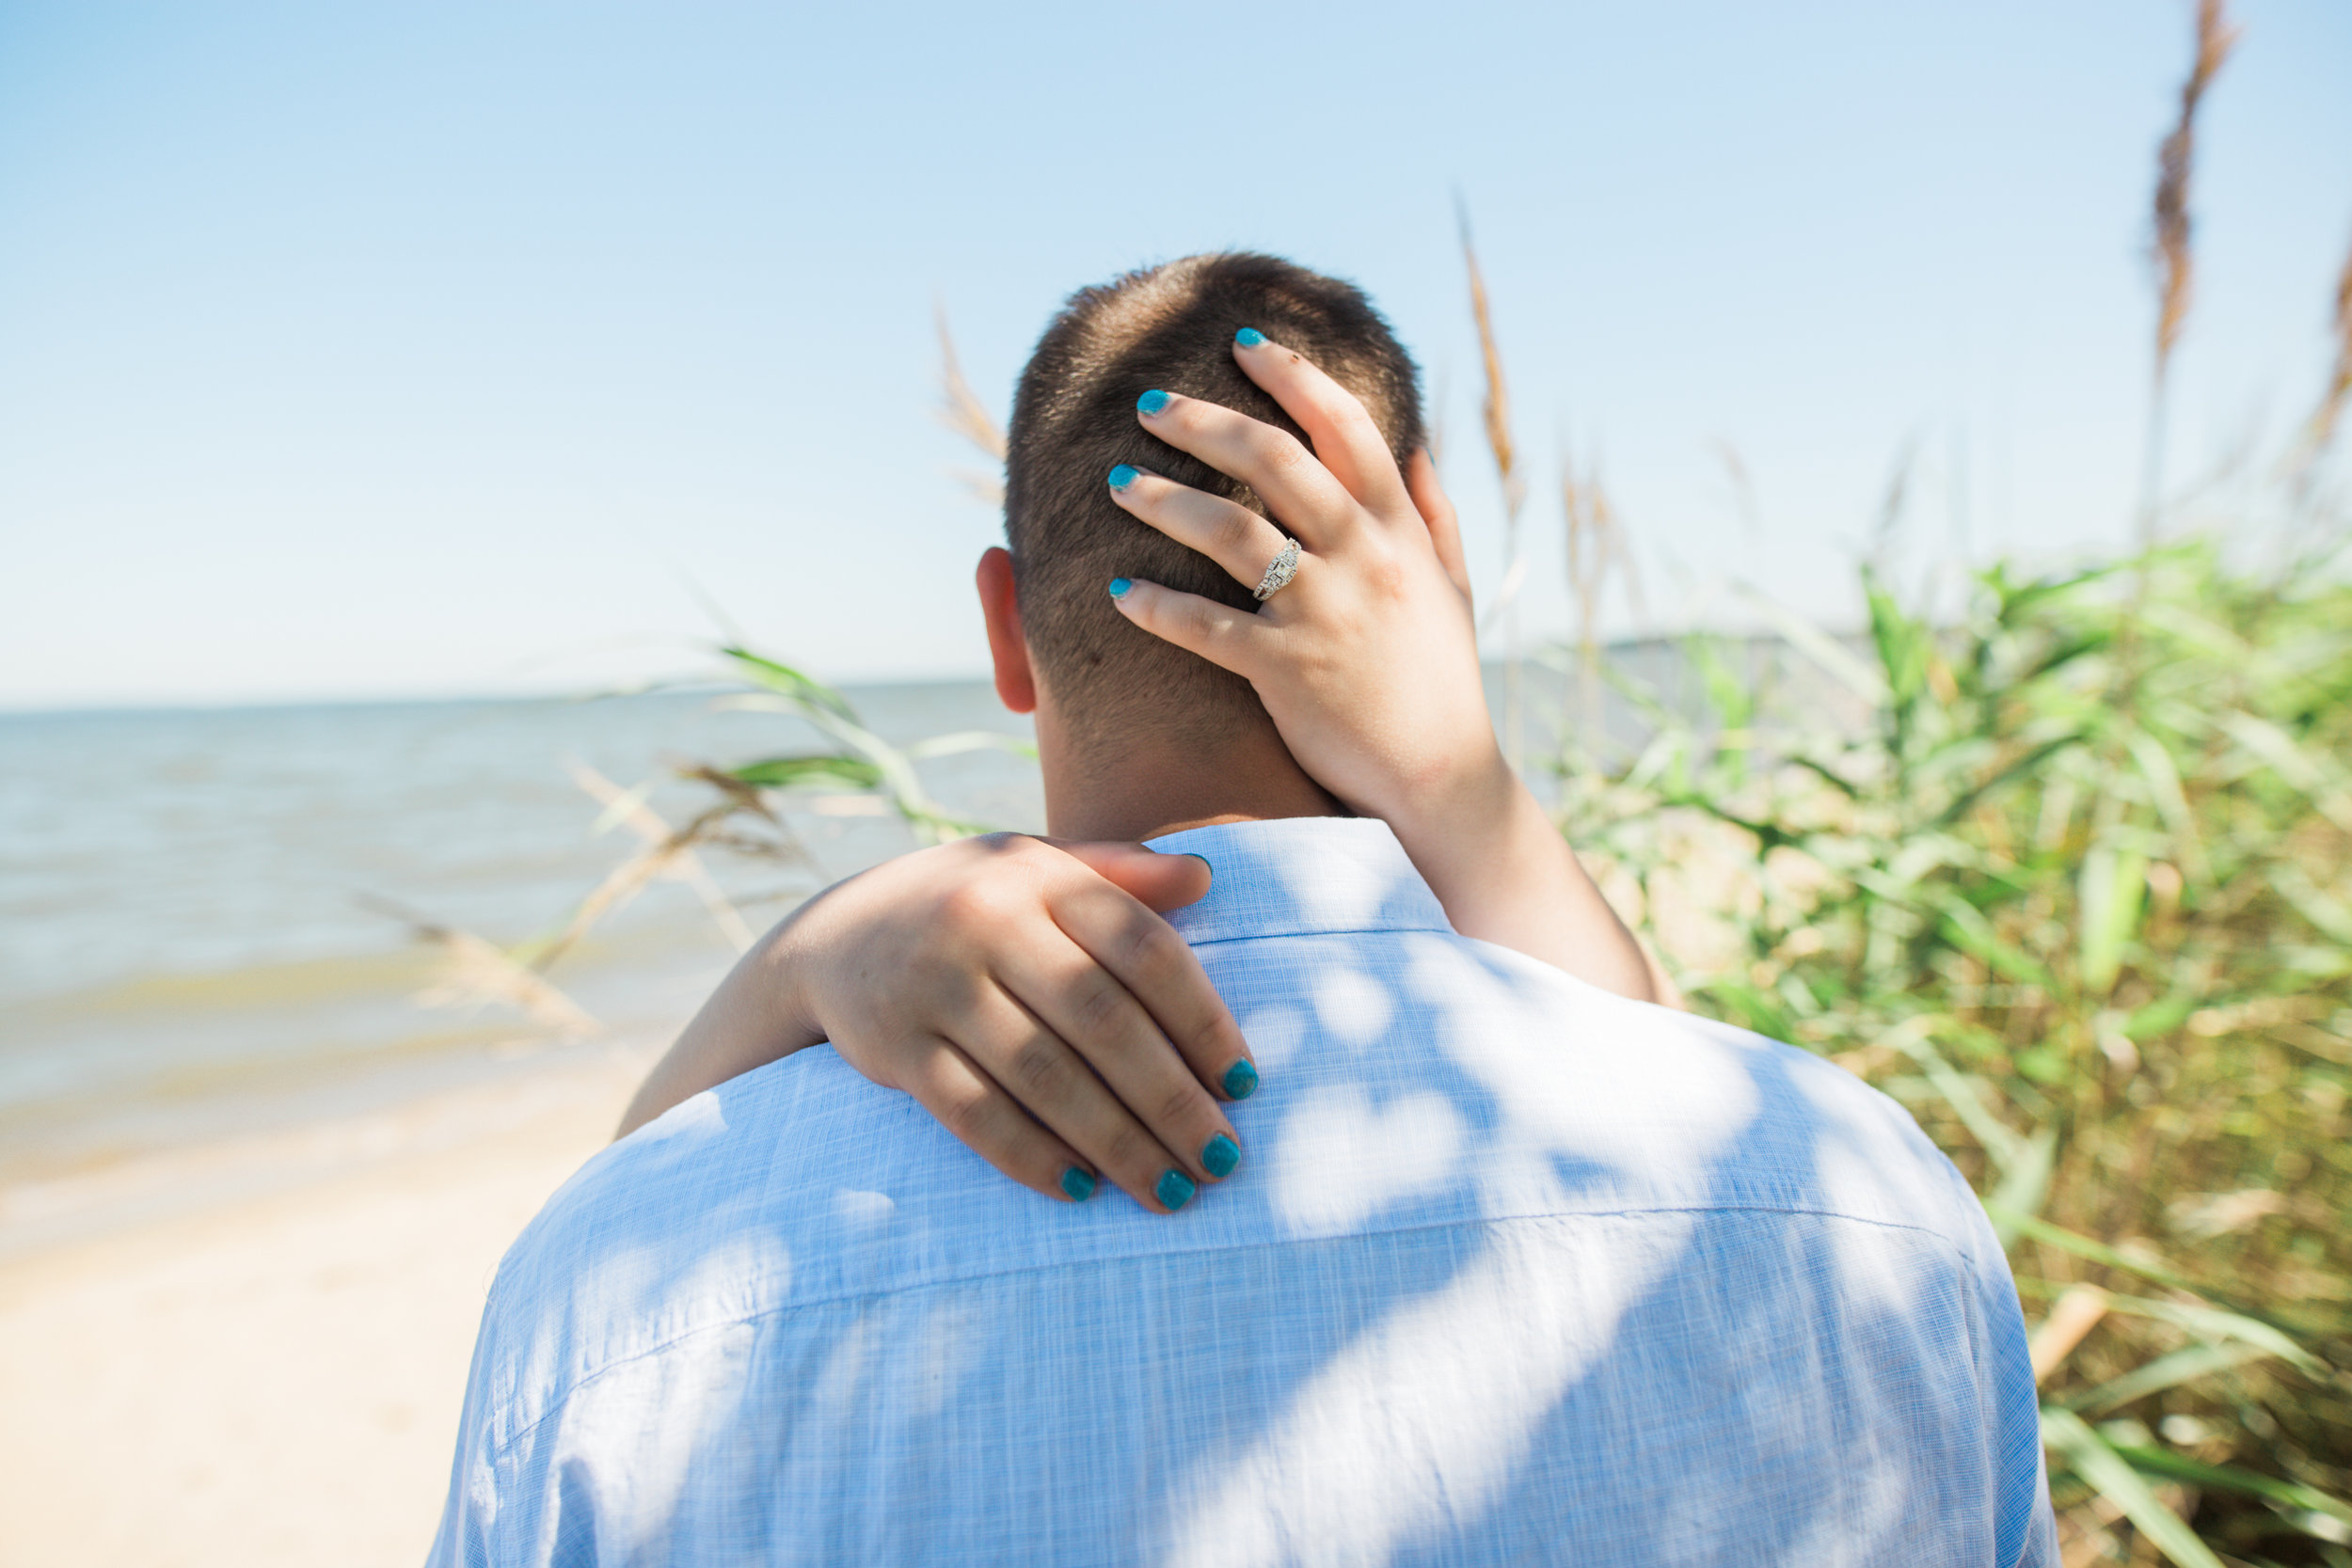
(1302, 876)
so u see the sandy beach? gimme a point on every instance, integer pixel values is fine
(261, 1147)
(273, 1376)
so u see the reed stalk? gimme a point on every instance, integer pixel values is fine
(1496, 409)
(2319, 431)
(2170, 253)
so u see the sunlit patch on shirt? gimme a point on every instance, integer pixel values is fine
(862, 1211)
(1275, 1031)
(703, 1114)
(1868, 1271)
(1414, 1429)
(1351, 1007)
(1342, 893)
(1664, 1104)
(1340, 1160)
(944, 1358)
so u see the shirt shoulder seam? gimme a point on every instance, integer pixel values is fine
(506, 1444)
(1322, 931)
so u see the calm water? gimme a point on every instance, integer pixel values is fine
(192, 933)
(194, 939)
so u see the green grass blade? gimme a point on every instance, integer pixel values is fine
(1834, 656)
(971, 740)
(787, 682)
(2098, 1252)
(2112, 883)
(2089, 1456)
(2025, 1184)
(2230, 1478)
(809, 771)
(2165, 1371)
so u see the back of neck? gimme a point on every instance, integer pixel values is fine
(1142, 785)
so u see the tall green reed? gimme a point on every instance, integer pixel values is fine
(2101, 950)
(2069, 876)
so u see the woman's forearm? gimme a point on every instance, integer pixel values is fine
(1506, 876)
(753, 1019)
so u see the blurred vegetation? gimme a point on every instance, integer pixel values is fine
(2076, 889)
(2070, 876)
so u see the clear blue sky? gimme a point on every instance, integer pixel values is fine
(356, 350)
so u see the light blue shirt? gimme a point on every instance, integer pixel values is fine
(1513, 1271)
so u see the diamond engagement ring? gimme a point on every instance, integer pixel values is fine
(1280, 572)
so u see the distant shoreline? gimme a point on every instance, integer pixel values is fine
(1539, 657)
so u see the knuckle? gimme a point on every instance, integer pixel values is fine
(1099, 1008)
(1278, 451)
(969, 904)
(1235, 531)
(1385, 577)
(1040, 1069)
(1213, 1038)
(1028, 848)
(1179, 1104)
(964, 1113)
(1132, 1150)
(1344, 413)
(1136, 947)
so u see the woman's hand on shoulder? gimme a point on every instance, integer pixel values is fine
(1024, 990)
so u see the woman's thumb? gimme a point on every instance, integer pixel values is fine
(1162, 882)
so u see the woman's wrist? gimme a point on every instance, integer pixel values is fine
(1505, 875)
(1458, 824)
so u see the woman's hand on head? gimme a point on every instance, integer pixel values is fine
(1368, 659)
(1022, 991)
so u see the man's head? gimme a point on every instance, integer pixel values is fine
(1073, 419)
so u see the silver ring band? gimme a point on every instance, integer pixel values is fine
(1278, 573)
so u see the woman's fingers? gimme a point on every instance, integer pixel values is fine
(969, 1104)
(1226, 531)
(1299, 490)
(1033, 1064)
(1445, 529)
(1083, 1002)
(1335, 419)
(1141, 954)
(1230, 639)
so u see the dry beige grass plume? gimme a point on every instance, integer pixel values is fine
(1497, 406)
(474, 974)
(2174, 260)
(1595, 547)
(1497, 409)
(2322, 429)
(962, 411)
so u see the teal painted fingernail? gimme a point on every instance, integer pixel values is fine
(1219, 1155)
(1250, 337)
(1122, 477)
(1078, 1185)
(1120, 587)
(1241, 1080)
(1175, 1189)
(1152, 402)
(1205, 864)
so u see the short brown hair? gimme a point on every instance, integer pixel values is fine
(1073, 419)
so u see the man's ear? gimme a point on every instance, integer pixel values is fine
(1016, 688)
